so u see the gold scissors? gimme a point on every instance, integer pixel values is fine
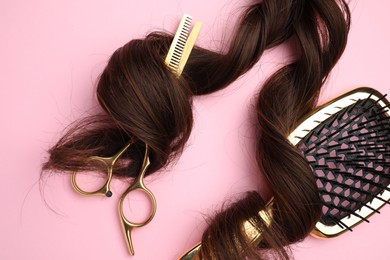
(138, 184)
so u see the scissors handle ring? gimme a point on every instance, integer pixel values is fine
(130, 224)
(105, 189)
(109, 163)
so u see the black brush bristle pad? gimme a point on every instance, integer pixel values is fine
(349, 154)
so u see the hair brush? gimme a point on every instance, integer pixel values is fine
(346, 142)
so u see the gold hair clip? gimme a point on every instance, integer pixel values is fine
(251, 232)
(182, 44)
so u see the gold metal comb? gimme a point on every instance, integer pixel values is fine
(182, 44)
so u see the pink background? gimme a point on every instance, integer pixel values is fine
(51, 53)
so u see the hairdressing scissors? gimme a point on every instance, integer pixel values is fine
(138, 184)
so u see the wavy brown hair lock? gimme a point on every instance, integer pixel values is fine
(320, 28)
(144, 101)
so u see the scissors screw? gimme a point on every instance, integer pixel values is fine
(109, 193)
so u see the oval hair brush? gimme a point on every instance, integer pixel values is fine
(346, 142)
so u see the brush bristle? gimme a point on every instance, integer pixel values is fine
(349, 154)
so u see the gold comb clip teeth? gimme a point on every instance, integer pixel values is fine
(182, 44)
